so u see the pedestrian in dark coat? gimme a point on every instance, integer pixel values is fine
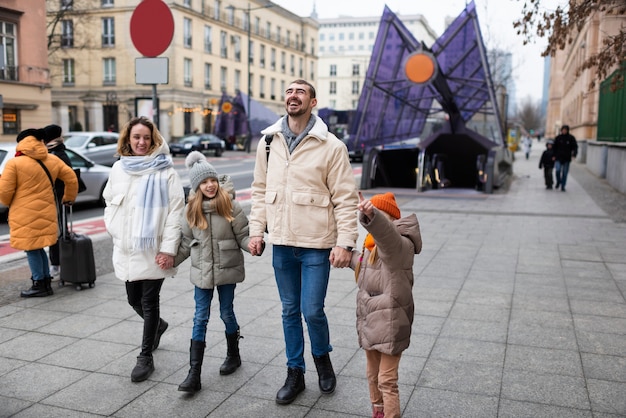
(565, 148)
(547, 163)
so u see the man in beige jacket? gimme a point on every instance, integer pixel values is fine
(304, 194)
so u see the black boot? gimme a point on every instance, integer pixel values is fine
(294, 385)
(162, 328)
(38, 289)
(327, 379)
(48, 282)
(143, 369)
(196, 355)
(232, 361)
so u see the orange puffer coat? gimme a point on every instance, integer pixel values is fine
(26, 190)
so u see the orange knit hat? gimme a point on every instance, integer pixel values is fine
(387, 203)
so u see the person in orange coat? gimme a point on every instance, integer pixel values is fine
(27, 190)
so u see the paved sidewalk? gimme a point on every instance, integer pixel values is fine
(520, 310)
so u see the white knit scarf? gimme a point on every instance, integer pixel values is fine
(152, 198)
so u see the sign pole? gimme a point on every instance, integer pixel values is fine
(155, 107)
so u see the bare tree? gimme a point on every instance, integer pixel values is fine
(560, 27)
(529, 114)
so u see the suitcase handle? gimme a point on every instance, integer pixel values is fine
(66, 233)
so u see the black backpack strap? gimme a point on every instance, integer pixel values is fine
(268, 141)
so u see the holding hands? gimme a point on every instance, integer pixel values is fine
(165, 261)
(256, 245)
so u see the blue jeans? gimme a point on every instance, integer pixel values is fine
(302, 279)
(561, 168)
(203, 298)
(38, 263)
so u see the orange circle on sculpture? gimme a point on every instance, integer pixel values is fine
(227, 107)
(420, 67)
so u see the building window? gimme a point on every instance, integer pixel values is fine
(333, 87)
(292, 65)
(237, 46)
(312, 76)
(333, 70)
(262, 56)
(288, 38)
(251, 52)
(273, 59)
(223, 78)
(223, 45)
(187, 73)
(10, 121)
(8, 54)
(262, 87)
(298, 42)
(108, 31)
(300, 67)
(355, 87)
(68, 72)
(217, 9)
(231, 15)
(278, 33)
(332, 104)
(108, 71)
(246, 21)
(107, 3)
(250, 84)
(312, 46)
(283, 62)
(187, 3)
(356, 69)
(187, 32)
(208, 40)
(237, 83)
(67, 4)
(273, 89)
(282, 90)
(67, 35)
(268, 30)
(257, 25)
(208, 83)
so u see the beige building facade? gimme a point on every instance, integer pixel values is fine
(570, 100)
(24, 73)
(94, 83)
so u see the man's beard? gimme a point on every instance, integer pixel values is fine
(301, 111)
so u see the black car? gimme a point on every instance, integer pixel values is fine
(197, 142)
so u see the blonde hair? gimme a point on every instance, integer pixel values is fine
(222, 203)
(370, 260)
(123, 143)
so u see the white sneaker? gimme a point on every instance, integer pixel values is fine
(55, 270)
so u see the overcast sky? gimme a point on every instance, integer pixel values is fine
(495, 16)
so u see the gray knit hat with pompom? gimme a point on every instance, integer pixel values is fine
(199, 169)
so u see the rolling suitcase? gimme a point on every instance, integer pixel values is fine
(76, 252)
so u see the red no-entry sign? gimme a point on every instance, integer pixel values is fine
(152, 27)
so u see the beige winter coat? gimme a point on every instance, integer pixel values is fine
(308, 198)
(384, 300)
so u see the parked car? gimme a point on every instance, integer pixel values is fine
(355, 151)
(99, 147)
(198, 142)
(95, 176)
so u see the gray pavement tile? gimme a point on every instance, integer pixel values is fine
(7, 310)
(79, 325)
(421, 345)
(237, 406)
(538, 336)
(26, 382)
(266, 383)
(72, 302)
(580, 253)
(424, 324)
(88, 355)
(609, 293)
(38, 411)
(587, 307)
(516, 409)
(427, 402)
(126, 331)
(33, 346)
(471, 351)
(596, 323)
(607, 396)
(492, 298)
(472, 329)
(524, 301)
(164, 400)
(618, 270)
(12, 406)
(543, 319)
(457, 376)
(597, 366)
(431, 308)
(8, 364)
(479, 280)
(601, 343)
(31, 319)
(343, 335)
(566, 391)
(543, 360)
(8, 334)
(481, 312)
(87, 394)
(118, 309)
